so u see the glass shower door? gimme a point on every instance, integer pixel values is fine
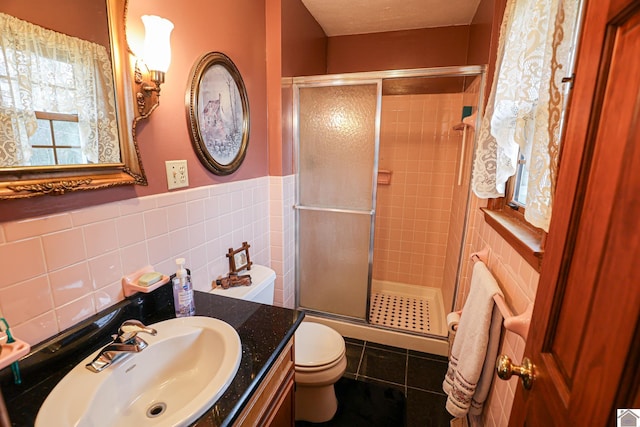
(336, 165)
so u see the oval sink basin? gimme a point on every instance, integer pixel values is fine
(184, 370)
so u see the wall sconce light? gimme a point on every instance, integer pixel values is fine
(156, 57)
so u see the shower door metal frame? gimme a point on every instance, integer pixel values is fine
(363, 78)
(323, 81)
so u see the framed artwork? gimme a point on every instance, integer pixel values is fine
(239, 258)
(218, 113)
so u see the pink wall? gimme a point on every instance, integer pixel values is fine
(429, 47)
(484, 35)
(480, 33)
(299, 49)
(304, 44)
(86, 19)
(237, 29)
(274, 77)
(303, 53)
(420, 149)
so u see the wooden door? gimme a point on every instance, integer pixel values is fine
(585, 332)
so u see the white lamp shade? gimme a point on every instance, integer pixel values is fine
(157, 49)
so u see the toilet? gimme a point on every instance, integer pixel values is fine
(261, 290)
(320, 353)
(320, 361)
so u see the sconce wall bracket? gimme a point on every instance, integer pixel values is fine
(147, 90)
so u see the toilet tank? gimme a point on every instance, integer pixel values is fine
(261, 290)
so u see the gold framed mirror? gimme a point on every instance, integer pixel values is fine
(21, 178)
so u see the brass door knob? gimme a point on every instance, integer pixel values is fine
(506, 369)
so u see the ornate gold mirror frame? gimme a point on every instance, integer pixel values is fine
(18, 183)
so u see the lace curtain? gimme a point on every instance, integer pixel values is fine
(42, 70)
(525, 104)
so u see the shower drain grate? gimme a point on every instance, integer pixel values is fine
(400, 312)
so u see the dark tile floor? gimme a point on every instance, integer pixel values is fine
(418, 375)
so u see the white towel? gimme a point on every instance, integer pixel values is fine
(475, 348)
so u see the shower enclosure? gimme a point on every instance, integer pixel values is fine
(383, 164)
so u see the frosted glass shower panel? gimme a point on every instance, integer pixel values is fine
(337, 127)
(334, 248)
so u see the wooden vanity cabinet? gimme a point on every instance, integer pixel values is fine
(273, 402)
(272, 405)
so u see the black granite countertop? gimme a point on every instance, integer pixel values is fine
(263, 329)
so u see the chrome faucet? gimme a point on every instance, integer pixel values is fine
(125, 342)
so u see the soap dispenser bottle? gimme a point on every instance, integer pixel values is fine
(183, 291)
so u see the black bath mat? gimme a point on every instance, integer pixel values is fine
(363, 404)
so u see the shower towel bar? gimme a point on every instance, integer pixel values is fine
(467, 122)
(518, 324)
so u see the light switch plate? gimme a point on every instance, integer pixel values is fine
(177, 174)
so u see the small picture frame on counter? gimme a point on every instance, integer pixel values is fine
(239, 258)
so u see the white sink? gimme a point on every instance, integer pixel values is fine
(187, 366)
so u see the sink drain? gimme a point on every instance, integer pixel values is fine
(156, 410)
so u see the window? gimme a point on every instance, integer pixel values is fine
(518, 194)
(58, 89)
(519, 138)
(520, 131)
(56, 140)
(506, 215)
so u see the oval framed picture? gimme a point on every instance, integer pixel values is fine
(218, 113)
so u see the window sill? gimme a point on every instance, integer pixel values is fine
(524, 238)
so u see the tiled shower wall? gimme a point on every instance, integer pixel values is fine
(459, 203)
(420, 149)
(63, 268)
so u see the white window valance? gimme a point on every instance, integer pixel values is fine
(43, 70)
(524, 108)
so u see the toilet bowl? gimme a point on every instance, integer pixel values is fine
(320, 358)
(320, 361)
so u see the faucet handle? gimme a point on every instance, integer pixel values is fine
(130, 328)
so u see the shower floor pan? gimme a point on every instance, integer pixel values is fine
(407, 307)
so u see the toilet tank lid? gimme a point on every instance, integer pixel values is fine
(261, 277)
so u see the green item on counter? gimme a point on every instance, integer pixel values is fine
(14, 366)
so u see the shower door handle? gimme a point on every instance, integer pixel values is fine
(338, 210)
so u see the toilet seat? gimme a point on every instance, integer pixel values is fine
(323, 367)
(317, 347)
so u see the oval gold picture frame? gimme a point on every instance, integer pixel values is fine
(218, 113)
